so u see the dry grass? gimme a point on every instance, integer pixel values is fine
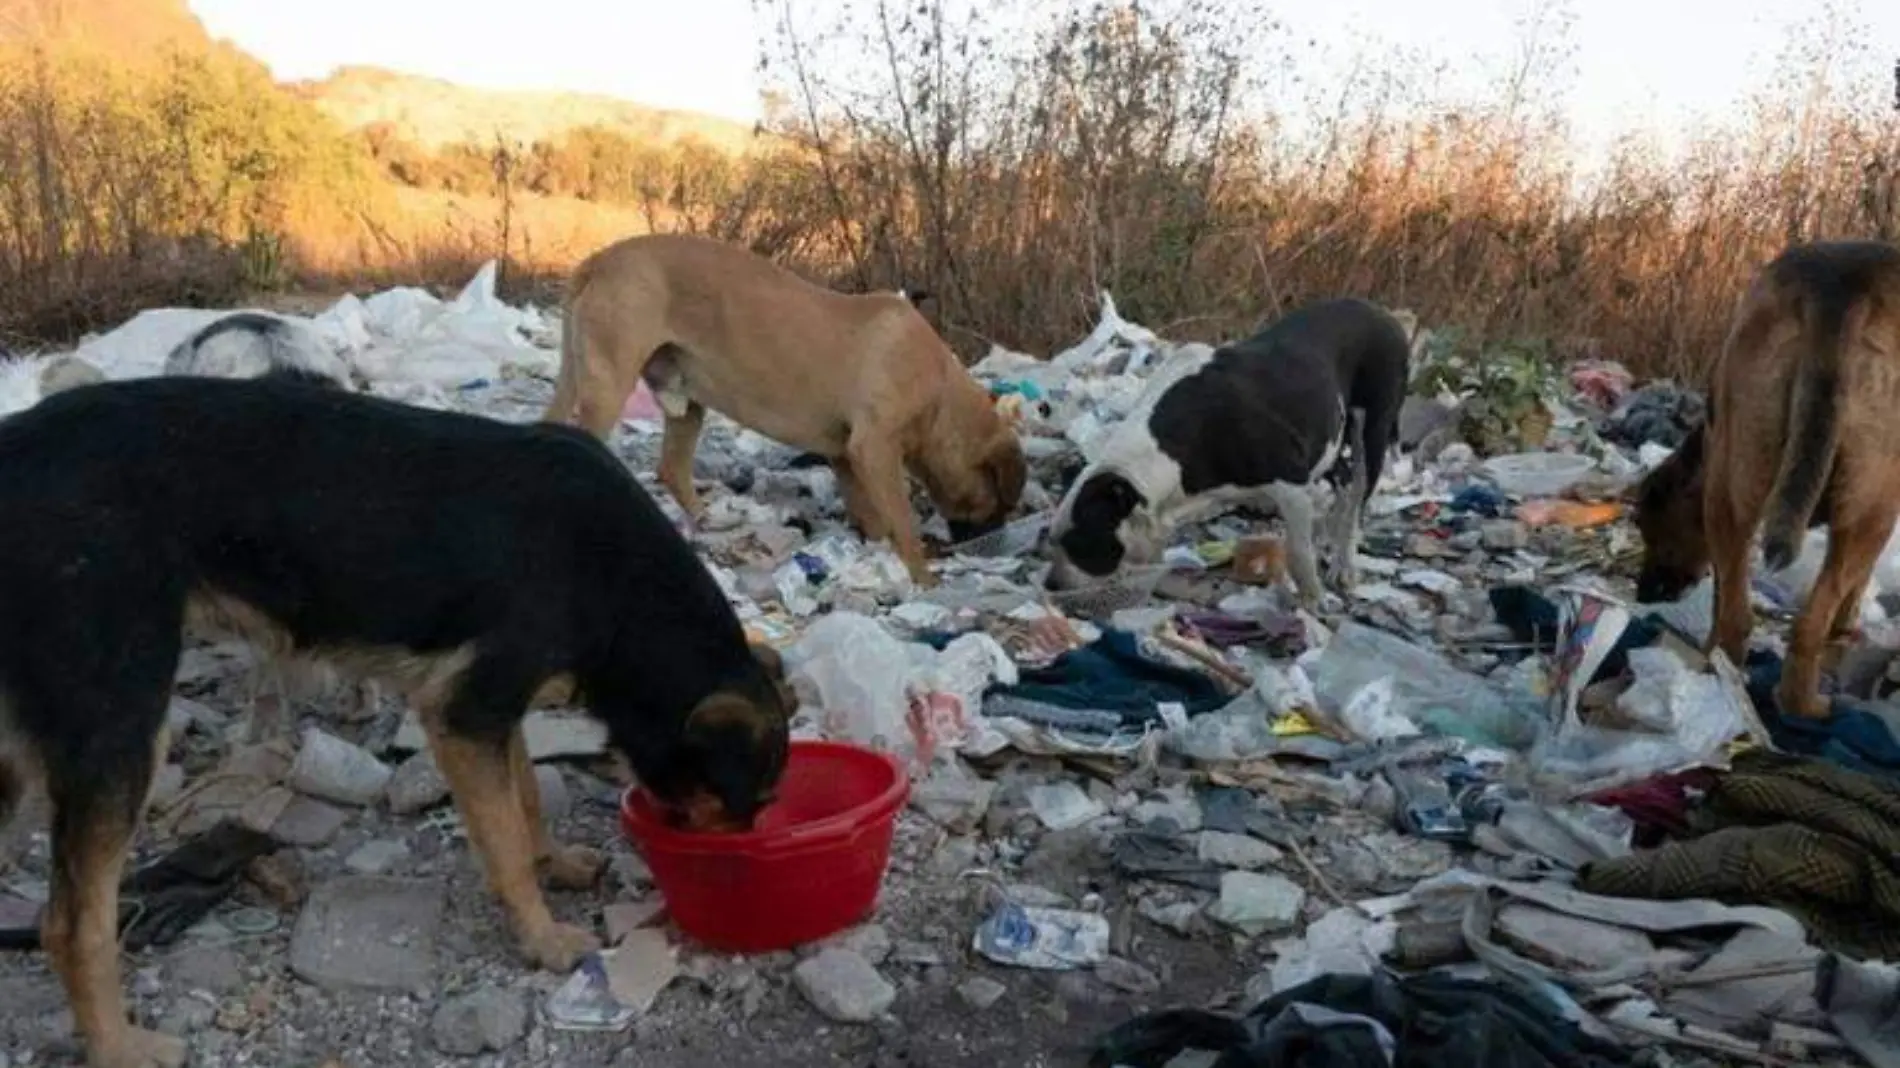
(1091, 147)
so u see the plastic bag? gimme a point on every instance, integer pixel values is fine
(902, 697)
(137, 348)
(1425, 689)
(1691, 715)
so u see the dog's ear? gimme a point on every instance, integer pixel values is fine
(774, 665)
(726, 712)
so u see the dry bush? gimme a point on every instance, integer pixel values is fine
(1014, 158)
(121, 188)
(1129, 147)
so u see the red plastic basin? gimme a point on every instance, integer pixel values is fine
(809, 868)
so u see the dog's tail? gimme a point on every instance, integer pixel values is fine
(1831, 322)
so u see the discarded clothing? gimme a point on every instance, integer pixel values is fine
(1804, 835)
(1600, 383)
(1478, 499)
(1855, 735)
(1112, 675)
(1164, 858)
(1660, 412)
(1283, 638)
(164, 899)
(1851, 736)
(1659, 807)
(1350, 1021)
(1043, 714)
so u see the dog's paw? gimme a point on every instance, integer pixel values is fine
(572, 867)
(137, 1047)
(558, 946)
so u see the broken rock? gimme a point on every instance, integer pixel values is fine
(1504, 535)
(489, 1020)
(1237, 851)
(980, 992)
(1254, 904)
(1127, 976)
(376, 858)
(844, 986)
(417, 785)
(957, 804)
(1177, 917)
(368, 934)
(213, 969)
(1177, 811)
(332, 769)
(871, 941)
(1063, 806)
(308, 824)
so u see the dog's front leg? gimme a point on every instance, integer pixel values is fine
(1296, 511)
(1343, 543)
(881, 479)
(564, 867)
(481, 779)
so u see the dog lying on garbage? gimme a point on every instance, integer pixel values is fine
(249, 344)
(1268, 423)
(465, 560)
(860, 379)
(1800, 433)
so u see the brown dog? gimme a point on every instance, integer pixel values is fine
(1801, 433)
(861, 380)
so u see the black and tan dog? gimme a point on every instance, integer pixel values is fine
(466, 561)
(1801, 433)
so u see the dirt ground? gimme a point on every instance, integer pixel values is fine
(237, 1001)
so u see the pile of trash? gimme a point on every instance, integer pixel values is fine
(1489, 790)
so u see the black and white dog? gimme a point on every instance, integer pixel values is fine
(250, 344)
(1268, 423)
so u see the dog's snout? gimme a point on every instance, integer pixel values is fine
(963, 530)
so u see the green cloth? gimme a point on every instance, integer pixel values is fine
(1807, 836)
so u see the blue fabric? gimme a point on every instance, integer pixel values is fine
(1112, 675)
(1480, 499)
(1852, 736)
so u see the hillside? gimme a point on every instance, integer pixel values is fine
(434, 113)
(121, 28)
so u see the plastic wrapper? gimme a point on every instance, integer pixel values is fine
(1042, 938)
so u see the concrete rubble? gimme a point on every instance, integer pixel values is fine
(1410, 779)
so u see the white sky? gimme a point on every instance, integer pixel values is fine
(1638, 63)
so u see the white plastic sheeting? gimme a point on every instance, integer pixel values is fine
(404, 342)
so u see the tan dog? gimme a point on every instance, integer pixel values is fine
(861, 380)
(1801, 432)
